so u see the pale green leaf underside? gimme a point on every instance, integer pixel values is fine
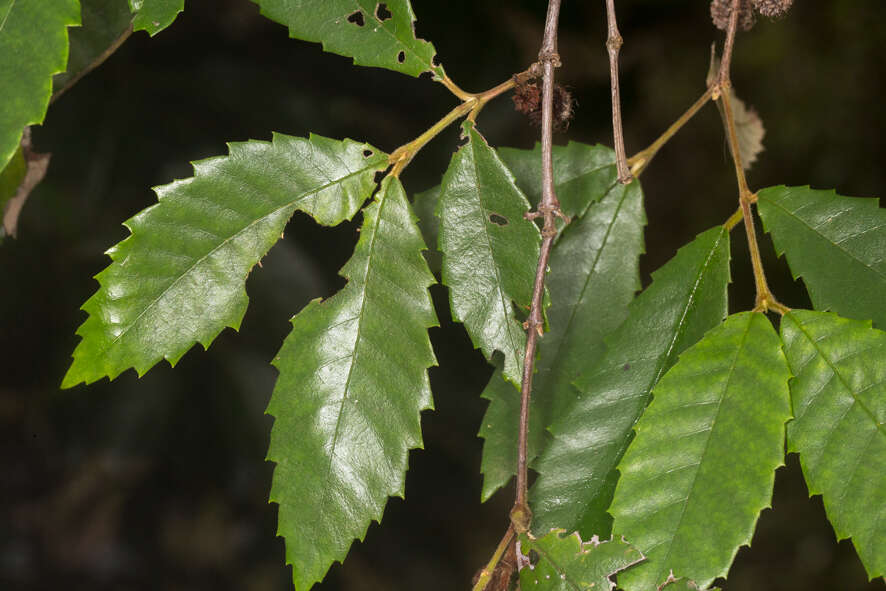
(836, 244)
(154, 15)
(839, 400)
(594, 275)
(359, 29)
(576, 472)
(582, 173)
(565, 563)
(489, 250)
(702, 464)
(33, 47)
(353, 380)
(180, 277)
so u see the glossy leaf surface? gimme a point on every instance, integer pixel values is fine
(702, 465)
(582, 173)
(179, 278)
(685, 585)
(594, 275)
(565, 563)
(353, 380)
(154, 15)
(839, 400)
(361, 29)
(836, 244)
(489, 250)
(576, 472)
(34, 46)
(105, 24)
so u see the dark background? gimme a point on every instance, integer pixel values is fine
(161, 483)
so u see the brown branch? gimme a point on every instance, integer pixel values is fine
(726, 62)
(613, 45)
(548, 209)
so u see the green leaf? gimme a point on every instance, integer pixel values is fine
(353, 380)
(105, 25)
(837, 244)
(702, 465)
(594, 275)
(565, 563)
(576, 472)
(179, 278)
(36, 34)
(582, 173)
(839, 399)
(424, 204)
(359, 29)
(154, 15)
(490, 250)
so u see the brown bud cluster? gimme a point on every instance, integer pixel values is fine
(772, 8)
(721, 10)
(527, 100)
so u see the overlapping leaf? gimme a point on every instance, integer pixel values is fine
(839, 400)
(576, 472)
(33, 46)
(565, 563)
(702, 465)
(582, 173)
(154, 15)
(179, 278)
(489, 250)
(594, 275)
(353, 380)
(374, 33)
(105, 24)
(836, 244)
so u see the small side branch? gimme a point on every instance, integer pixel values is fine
(613, 46)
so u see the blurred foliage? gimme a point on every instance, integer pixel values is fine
(160, 483)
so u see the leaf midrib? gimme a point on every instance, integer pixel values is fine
(704, 452)
(347, 387)
(833, 368)
(293, 204)
(6, 16)
(822, 237)
(506, 305)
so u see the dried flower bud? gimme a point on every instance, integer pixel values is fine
(772, 8)
(527, 100)
(721, 10)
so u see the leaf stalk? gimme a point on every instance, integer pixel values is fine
(765, 300)
(489, 569)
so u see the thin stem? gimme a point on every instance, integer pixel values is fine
(489, 569)
(640, 160)
(726, 63)
(401, 157)
(549, 209)
(765, 300)
(93, 65)
(472, 104)
(613, 46)
(734, 219)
